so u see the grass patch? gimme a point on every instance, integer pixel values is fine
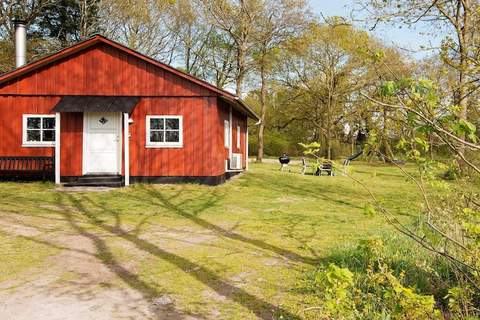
(233, 251)
(20, 254)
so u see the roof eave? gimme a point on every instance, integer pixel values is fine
(242, 106)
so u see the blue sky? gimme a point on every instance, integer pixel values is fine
(404, 38)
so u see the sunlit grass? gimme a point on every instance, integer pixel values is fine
(235, 250)
(19, 254)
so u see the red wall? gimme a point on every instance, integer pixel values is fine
(238, 119)
(203, 152)
(200, 155)
(71, 144)
(12, 110)
(103, 70)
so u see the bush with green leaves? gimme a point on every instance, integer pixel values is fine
(371, 282)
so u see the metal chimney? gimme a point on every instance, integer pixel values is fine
(20, 42)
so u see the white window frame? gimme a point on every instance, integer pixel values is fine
(39, 144)
(150, 144)
(226, 133)
(238, 137)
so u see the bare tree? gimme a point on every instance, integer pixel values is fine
(143, 26)
(279, 22)
(236, 18)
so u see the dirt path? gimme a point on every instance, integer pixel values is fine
(75, 285)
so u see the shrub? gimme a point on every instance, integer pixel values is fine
(375, 280)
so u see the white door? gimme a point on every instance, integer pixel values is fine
(102, 143)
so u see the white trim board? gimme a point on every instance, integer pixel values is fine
(57, 148)
(126, 137)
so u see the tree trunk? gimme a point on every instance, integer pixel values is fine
(463, 34)
(330, 103)
(240, 71)
(263, 112)
(329, 143)
(386, 144)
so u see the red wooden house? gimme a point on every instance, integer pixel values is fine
(102, 110)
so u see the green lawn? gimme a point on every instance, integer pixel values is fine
(236, 251)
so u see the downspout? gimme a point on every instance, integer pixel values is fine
(126, 148)
(57, 148)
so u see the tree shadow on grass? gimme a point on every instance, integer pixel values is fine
(332, 194)
(156, 198)
(261, 308)
(306, 189)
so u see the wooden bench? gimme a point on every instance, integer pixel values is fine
(27, 167)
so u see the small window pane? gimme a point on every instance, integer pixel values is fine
(172, 124)
(33, 135)
(156, 124)
(33, 123)
(172, 136)
(156, 136)
(48, 123)
(48, 135)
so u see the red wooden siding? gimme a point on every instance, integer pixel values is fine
(203, 152)
(238, 119)
(103, 70)
(71, 144)
(200, 155)
(12, 110)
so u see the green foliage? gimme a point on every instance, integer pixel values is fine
(311, 149)
(388, 89)
(336, 284)
(451, 172)
(275, 144)
(369, 210)
(371, 282)
(460, 301)
(464, 127)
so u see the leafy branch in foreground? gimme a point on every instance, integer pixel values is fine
(449, 222)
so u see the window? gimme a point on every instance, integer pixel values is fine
(226, 133)
(38, 130)
(164, 131)
(238, 137)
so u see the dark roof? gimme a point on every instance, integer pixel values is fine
(96, 103)
(101, 39)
